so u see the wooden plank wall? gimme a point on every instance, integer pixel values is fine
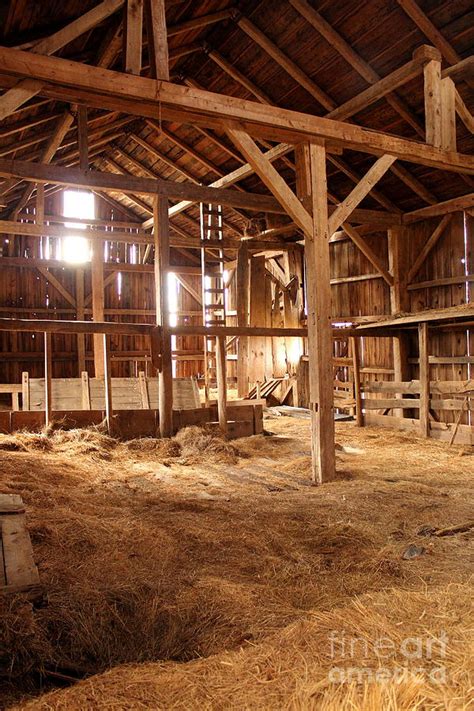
(452, 257)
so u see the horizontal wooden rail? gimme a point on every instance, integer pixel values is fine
(59, 326)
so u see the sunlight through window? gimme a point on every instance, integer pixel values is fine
(81, 205)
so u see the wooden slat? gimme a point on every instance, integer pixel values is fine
(21, 571)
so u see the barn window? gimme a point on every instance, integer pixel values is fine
(78, 204)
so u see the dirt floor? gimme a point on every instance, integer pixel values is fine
(221, 578)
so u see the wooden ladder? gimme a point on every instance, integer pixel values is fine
(213, 285)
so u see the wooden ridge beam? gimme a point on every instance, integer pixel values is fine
(145, 97)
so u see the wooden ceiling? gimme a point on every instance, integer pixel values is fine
(267, 50)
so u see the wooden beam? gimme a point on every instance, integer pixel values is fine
(146, 97)
(112, 182)
(448, 114)
(285, 62)
(82, 138)
(368, 252)
(426, 26)
(424, 379)
(465, 202)
(355, 345)
(61, 326)
(312, 190)
(162, 259)
(362, 189)
(107, 376)
(57, 285)
(463, 112)
(133, 37)
(62, 127)
(385, 86)
(80, 313)
(25, 90)
(432, 89)
(242, 294)
(430, 243)
(48, 375)
(270, 177)
(98, 297)
(157, 39)
(221, 377)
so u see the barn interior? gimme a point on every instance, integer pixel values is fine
(236, 354)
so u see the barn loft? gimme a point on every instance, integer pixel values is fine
(222, 220)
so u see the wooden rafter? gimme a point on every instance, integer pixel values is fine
(25, 90)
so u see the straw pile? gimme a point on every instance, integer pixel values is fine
(146, 558)
(393, 650)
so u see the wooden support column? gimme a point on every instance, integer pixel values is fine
(448, 114)
(242, 277)
(157, 39)
(82, 137)
(293, 301)
(312, 190)
(257, 318)
(399, 303)
(97, 273)
(424, 379)
(107, 384)
(162, 260)
(80, 315)
(133, 38)
(48, 391)
(432, 77)
(221, 383)
(355, 345)
(39, 217)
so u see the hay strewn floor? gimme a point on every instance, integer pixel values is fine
(225, 573)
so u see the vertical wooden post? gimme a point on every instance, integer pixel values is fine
(432, 80)
(97, 269)
(242, 283)
(157, 39)
(424, 379)
(107, 385)
(25, 391)
(293, 306)
(82, 137)
(221, 383)
(399, 301)
(48, 364)
(80, 315)
(355, 343)
(162, 260)
(39, 215)
(257, 344)
(448, 114)
(312, 190)
(133, 36)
